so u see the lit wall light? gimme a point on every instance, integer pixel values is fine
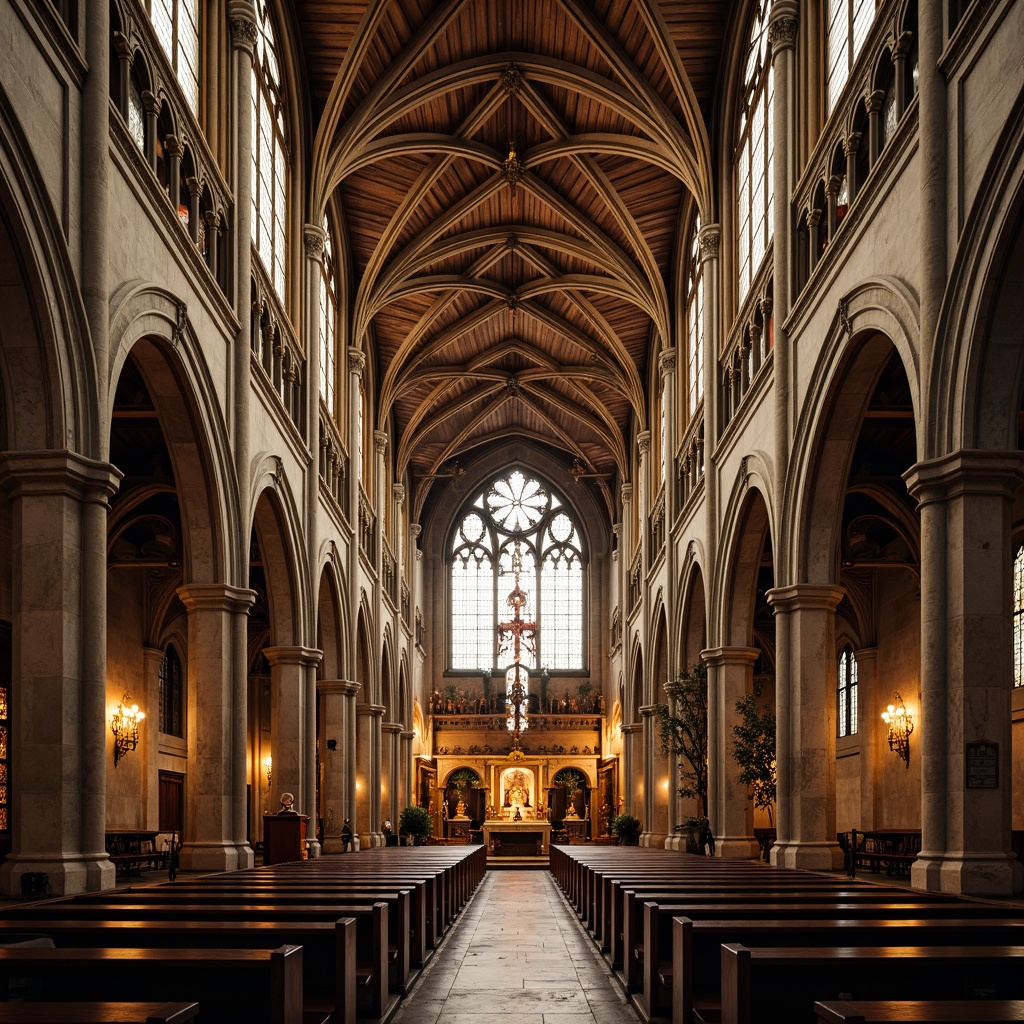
(900, 724)
(124, 724)
(268, 766)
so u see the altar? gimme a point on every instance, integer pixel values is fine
(507, 838)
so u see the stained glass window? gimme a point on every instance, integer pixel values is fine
(517, 512)
(328, 321)
(754, 149)
(695, 325)
(846, 692)
(1018, 618)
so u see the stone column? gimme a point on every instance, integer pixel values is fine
(334, 748)
(805, 690)
(782, 29)
(389, 805)
(709, 241)
(871, 735)
(873, 104)
(406, 791)
(368, 770)
(211, 841)
(60, 728)
(732, 816)
(245, 858)
(152, 659)
(632, 738)
(654, 814)
(288, 740)
(966, 502)
(851, 146)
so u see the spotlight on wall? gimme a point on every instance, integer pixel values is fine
(268, 767)
(124, 724)
(900, 725)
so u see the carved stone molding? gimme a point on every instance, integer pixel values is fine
(313, 241)
(356, 361)
(242, 19)
(667, 362)
(709, 239)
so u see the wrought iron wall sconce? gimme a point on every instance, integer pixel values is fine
(124, 724)
(900, 725)
(268, 766)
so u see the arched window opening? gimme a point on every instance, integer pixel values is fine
(269, 197)
(171, 694)
(177, 27)
(1018, 617)
(754, 148)
(695, 325)
(328, 322)
(847, 25)
(517, 519)
(136, 113)
(846, 693)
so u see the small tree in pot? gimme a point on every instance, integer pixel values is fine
(627, 828)
(754, 750)
(416, 822)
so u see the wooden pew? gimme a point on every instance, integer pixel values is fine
(333, 976)
(97, 1013)
(235, 984)
(693, 971)
(953, 1011)
(763, 985)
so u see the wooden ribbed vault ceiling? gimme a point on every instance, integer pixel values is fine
(512, 177)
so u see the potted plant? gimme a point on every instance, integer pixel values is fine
(415, 822)
(627, 828)
(684, 732)
(754, 750)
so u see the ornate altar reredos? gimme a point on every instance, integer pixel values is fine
(517, 787)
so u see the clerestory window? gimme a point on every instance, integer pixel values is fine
(847, 24)
(754, 149)
(269, 165)
(1018, 617)
(171, 694)
(846, 693)
(517, 518)
(177, 27)
(328, 322)
(694, 325)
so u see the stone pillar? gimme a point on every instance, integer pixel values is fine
(368, 773)
(59, 732)
(851, 146)
(288, 739)
(152, 659)
(151, 109)
(173, 152)
(352, 689)
(245, 857)
(873, 104)
(407, 784)
(211, 841)
(389, 805)
(782, 30)
(871, 734)
(655, 813)
(632, 737)
(805, 706)
(709, 241)
(333, 751)
(966, 502)
(732, 816)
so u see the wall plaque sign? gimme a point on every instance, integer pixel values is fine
(982, 766)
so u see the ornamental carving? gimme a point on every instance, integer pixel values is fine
(244, 32)
(667, 362)
(782, 34)
(356, 361)
(643, 441)
(313, 242)
(709, 241)
(512, 79)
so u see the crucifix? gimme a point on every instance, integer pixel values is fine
(519, 631)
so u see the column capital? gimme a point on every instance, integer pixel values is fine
(415, 530)
(292, 655)
(667, 362)
(782, 26)
(873, 101)
(123, 47)
(832, 185)
(333, 686)
(244, 31)
(398, 494)
(313, 239)
(373, 710)
(407, 734)
(643, 441)
(215, 597)
(173, 147)
(195, 186)
(58, 473)
(626, 493)
(150, 102)
(391, 727)
(805, 597)
(719, 656)
(380, 441)
(352, 687)
(356, 361)
(967, 471)
(709, 238)
(852, 143)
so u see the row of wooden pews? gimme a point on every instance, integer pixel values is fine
(713, 941)
(308, 942)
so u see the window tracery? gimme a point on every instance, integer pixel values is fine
(846, 693)
(328, 321)
(695, 324)
(847, 25)
(176, 23)
(516, 518)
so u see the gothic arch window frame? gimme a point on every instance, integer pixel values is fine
(269, 153)
(516, 507)
(847, 24)
(1018, 613)
(846, 692)
(694, 325)
(171, 692)
(753, 154)
(176, 24)
(328, 325)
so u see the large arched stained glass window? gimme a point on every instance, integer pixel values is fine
(516, 512)
(269, 175)
(694, 325)
(328, 321)
(754, 148)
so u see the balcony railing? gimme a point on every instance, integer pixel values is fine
(333, 462)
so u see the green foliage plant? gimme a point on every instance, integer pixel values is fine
(626, 827)
(683, 725)
(415, 821)
(570, 780)
(754, 750)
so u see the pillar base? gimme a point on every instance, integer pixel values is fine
(214, 857)
(737, 847)
(676, 843)
(654, 840)
(807, 856)
(333, 844)
(313, 848)
(982, 874)
(66, 876)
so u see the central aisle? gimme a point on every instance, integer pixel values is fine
(516, 950)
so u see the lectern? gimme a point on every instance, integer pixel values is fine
(284, 837)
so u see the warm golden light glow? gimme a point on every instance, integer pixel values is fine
(124, 724)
